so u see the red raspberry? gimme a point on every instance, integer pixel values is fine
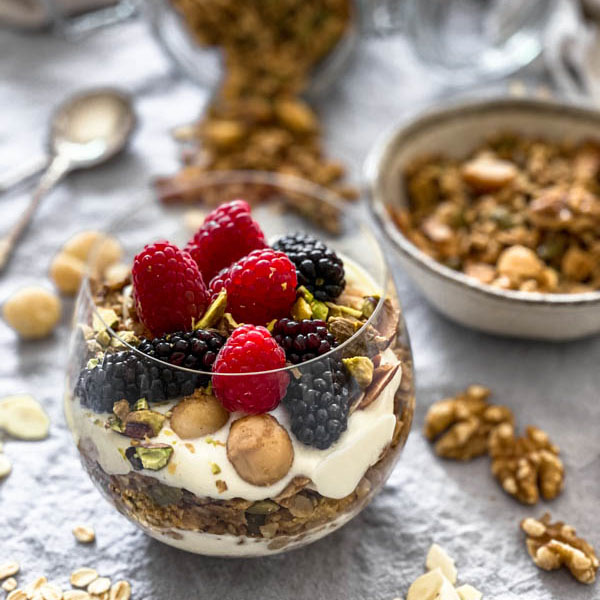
(260, 287)
(228, 233)
(250, 349)
(169, 289)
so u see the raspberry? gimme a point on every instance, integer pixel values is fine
(320, 269)
(250, 349)
(260, 287)
(303, 340)
(168, 287)
(228, 233)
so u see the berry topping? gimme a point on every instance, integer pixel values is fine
(320, 269)
(168, 287)
(250, 349)
(260, 287)
(303, 340)
(319, 402)
(127, 375)
(228, 233)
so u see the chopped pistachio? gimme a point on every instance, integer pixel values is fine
(271, 325)
(113, 422)
(137, 419)
(214, 313)
(149, 456)
(361, 369)
(103, 338)
(319, 310)
(369, 305)
(215, 468)
(338, 310)
(105, 317)
(141, 404)
(301, 310)
(92, 363)
(304, 293)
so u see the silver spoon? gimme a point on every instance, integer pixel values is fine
(86, 130)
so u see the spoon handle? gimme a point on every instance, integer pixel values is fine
(57, 169)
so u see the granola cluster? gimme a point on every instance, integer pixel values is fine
(467, 426)
(553, 545)
(257, 120)
(519, 213)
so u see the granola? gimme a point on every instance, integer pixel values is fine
(257, 120)
(519, 213)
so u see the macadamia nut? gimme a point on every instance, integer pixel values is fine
(91, 249)
(519, 263)
(67, 272)
(33, 312)
(260, 449)
(198, 415)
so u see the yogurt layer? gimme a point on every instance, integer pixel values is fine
(197, 464)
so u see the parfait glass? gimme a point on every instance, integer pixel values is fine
(190, 482)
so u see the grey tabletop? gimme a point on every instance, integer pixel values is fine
(378, 554)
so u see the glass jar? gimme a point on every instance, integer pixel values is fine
(201, 487)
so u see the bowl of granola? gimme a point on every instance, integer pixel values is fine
(246, 387)
(494, 209)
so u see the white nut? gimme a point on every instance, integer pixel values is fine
(468, 592)
(9, 568)
(33, 312)
(488, 173)
(519, 262)
(83, 577)
(49, 591)
(432, 586)
(438, 557)
(9, 584)
(99, 586)
(95, 246)
(121, 590)
(23, 417)
(67, 272)
(116, 273)
(84, 534)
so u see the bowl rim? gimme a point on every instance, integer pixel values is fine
(400, 133)
(283, 181)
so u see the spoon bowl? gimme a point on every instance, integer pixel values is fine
(92, 127)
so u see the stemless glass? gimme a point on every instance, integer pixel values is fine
(189, 492)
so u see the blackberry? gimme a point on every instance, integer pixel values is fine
(303, 340)
(127, 375)
(319, 268)
(319, 402)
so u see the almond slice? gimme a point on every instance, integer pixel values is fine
(22, 416)
(432, 586)
(8, 569)
(99, 586)
(438, 557)
(468, 592)
(83, 577)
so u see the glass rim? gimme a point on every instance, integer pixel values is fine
(285, 182)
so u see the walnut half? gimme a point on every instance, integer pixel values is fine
(552, 545)
(526, 466)
(462, 425)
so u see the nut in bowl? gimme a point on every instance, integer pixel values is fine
(244, 390)
(494, 209)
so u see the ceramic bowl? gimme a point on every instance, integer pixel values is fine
(456, 131)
